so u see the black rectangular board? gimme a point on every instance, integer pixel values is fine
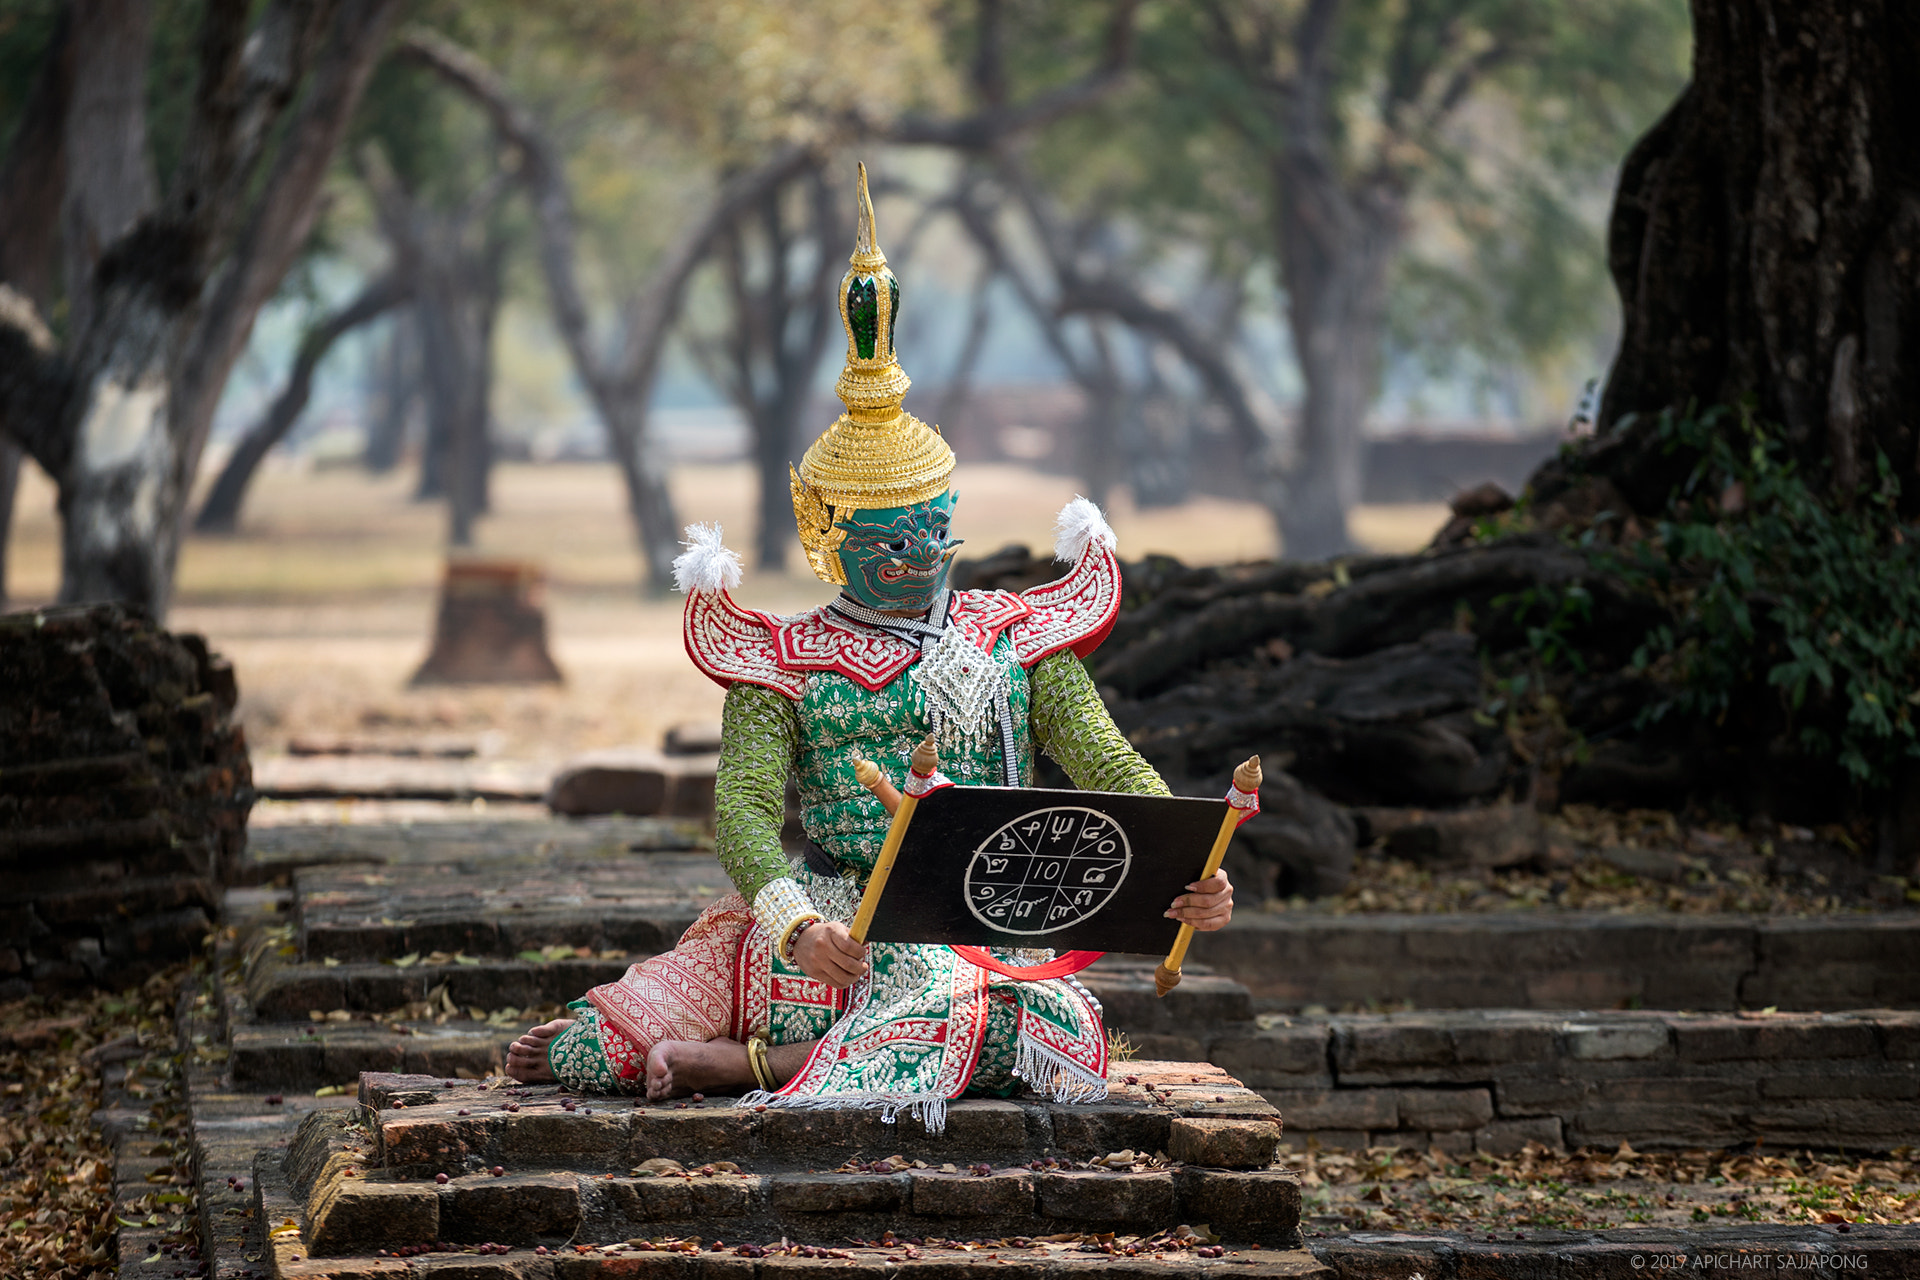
(1043, 868)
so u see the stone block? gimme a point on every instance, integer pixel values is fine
(1899, 1033)
(788, 1134)
(1509, 1137)
(1586, 989)
(344, 1055)
(357, 1216)
(382, 987)
(1616, 1041)
(1318, 1109)
(600, 1141)
(631, 781)
(1505, 1041)
(449, 1056)
(275, 1059)
(516, 1209)
(987, 1124)
(1177, 1048)
(1130, 1003)
(1699, 1091)
(837, 1192)
(1144, 1200)
(1262, 1204)
(1773, 1039)
(1292, 1057)
(438, 1141)
(725, 1195)
(1853, 1123)
(1867, 1079)
(951, 1195)
(1385, 1047)
(1099, 1129)
(1445, 1109)
(681, 1199)
(647, 1200)
(1648, 1124)
(1223, 1144)
(693, 1136)
(1541, 1096)
(288, 992)
(1454, 1142)
(381, 1089)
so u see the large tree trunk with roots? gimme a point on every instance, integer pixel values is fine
(1766, 240)
(1766, 244)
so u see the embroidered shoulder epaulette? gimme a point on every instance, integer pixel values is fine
(732, 643)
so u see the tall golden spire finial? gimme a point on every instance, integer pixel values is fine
(866, 236)
(877, 455)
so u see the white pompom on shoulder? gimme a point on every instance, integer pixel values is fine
(706, 564)
(1078, 526)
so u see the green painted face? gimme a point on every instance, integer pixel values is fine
(897, 558)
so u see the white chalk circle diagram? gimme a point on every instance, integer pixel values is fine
(1047, 870)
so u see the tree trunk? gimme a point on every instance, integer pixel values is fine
(1765, 239)
(1335, 248)
(399, 393)
(10, 458)
(120, 416)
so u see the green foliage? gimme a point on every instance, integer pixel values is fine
(1552, 617)
(1776, 585)
(1503, 123)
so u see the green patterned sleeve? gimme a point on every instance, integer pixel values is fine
(759, 741)
(1071, 724)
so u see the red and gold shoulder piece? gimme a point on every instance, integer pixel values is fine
(731, 644)
(1075, 612)
(824, 641)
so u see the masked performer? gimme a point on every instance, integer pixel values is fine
(767, 990)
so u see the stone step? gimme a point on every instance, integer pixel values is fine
(1291, 960)
(274, 852)
(286, 1057)
(531, 1165)
(630, 904)
(282, 991)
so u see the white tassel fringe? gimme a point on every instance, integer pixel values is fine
(1078, 526)
(706, 564)
(930, 1109)
(1054, 1076)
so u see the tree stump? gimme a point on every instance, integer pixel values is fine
(492, 627)
(124, 791)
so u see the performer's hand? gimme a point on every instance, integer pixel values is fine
(828, 952)
(1207, 905)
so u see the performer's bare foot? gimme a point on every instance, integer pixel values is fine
(677, 1068)
(527, 1056)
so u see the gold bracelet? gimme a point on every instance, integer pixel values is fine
(757, 1059)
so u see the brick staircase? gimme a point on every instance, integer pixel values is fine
(320, 1143)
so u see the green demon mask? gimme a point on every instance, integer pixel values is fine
(896, 558)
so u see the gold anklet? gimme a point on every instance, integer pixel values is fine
(757, 1059)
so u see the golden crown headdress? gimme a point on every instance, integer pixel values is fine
(875, 455)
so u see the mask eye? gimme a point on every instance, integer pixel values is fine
(897, 546)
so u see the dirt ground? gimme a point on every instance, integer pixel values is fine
(325, 599)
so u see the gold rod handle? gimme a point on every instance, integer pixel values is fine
(925, 762)
(1166, 975)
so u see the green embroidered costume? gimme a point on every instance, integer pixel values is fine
(992, 675)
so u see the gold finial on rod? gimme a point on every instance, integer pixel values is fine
(1166, 975)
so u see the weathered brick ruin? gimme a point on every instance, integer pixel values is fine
(124, 791)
